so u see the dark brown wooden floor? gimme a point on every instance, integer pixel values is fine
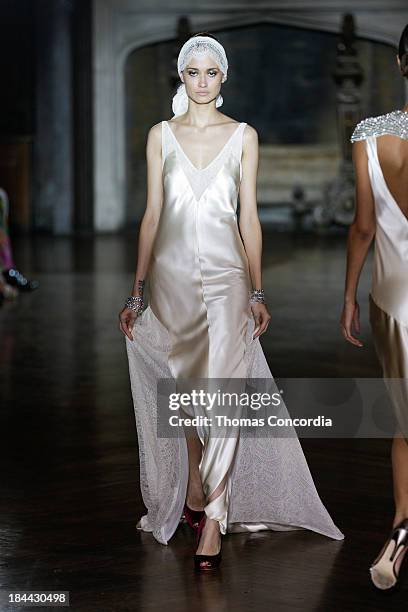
(69, 479)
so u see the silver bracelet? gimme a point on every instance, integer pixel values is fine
(257, 295)
(135, 302)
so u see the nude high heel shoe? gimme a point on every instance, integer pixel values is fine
(383, 571)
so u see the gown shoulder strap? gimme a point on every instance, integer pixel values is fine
(240, 139)
(166, 141)
(163, 141)
(238, 144)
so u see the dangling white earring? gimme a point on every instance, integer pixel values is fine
(219, 100)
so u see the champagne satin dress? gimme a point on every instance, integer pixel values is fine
(388, 297)
(199, 324)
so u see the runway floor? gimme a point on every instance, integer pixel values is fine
(69, 487)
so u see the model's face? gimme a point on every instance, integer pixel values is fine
(202, 78)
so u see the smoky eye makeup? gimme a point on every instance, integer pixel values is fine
(211, 72)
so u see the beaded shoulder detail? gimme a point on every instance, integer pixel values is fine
(395, 123)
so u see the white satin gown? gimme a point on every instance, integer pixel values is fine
(199, 324)
(389, 281)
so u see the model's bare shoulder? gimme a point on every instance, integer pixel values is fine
(250, 137)
(154, 133)
(154, 138)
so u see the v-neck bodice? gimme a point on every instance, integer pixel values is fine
(199, 179)
(214, 160)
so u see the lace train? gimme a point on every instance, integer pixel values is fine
(269, 486)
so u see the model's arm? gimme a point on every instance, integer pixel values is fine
(360, 236)
(149, 223)
(249, 223)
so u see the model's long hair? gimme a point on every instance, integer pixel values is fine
(403, 52)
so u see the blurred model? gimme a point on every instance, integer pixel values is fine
(12, 281)
(380, 153)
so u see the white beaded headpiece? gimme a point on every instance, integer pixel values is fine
(194, 47)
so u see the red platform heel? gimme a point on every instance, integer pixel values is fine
(193, 517)
(205, 563)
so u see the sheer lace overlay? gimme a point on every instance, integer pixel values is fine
(271, 485)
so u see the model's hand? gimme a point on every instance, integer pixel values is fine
(350, 322)
(127, 320)
(262, 318)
